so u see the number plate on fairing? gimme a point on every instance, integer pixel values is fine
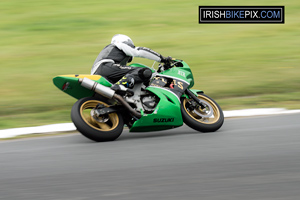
(175, 85)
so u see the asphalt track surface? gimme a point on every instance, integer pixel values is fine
(249, 158)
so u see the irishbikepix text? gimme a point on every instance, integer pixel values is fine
(241, 14)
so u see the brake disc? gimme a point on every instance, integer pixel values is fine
(206, 112)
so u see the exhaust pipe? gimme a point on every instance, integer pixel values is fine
(126, 105)
(96, 87)
(107, 92)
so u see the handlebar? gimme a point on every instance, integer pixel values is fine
(170, 64)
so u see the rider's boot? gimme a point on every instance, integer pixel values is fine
(124, 86)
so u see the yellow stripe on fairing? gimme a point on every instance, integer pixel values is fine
(92, 77)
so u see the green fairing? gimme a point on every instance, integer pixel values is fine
(166, 115)
(183, 73)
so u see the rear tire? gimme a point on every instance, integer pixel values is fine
(209, 119)
(100, 129)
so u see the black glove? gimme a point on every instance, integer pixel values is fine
(166, 59)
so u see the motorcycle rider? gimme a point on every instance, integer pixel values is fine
(111, 63)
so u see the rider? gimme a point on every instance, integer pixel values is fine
(111, 63)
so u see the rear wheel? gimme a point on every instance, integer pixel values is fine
(107, 127)
(209, 118)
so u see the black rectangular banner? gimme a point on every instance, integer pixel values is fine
(241, 14)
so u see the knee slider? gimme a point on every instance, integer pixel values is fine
(145, 73)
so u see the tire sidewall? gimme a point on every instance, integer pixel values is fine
(90, 132)
(191, 122)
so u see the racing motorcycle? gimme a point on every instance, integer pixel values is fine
(166, 101)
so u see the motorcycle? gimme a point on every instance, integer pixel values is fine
(165, 101)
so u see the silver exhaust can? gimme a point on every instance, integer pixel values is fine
(96, 87)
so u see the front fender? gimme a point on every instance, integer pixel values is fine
(194, 91)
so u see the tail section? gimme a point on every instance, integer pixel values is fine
(70, 85)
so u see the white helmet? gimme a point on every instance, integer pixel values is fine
(119, 38)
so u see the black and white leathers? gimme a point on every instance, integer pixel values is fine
(111, 61)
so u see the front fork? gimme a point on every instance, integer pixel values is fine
(191, 95)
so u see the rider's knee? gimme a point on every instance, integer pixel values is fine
(145, 73)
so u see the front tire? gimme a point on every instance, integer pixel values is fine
(209, 119)
(97, 128)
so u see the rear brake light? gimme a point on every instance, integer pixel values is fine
(65, 86)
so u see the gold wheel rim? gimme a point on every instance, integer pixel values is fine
(210, 120)
(111, 120)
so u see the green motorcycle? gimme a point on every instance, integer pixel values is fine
(165, 102)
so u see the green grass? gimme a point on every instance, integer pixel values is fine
(239, 65)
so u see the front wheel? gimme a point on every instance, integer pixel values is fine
(102, 128)
(208, 118)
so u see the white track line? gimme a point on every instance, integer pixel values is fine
(13, 132)
(258, 112)
(64, 127)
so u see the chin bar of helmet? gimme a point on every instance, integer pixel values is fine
(106, 92)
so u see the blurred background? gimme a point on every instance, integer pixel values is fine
(239, 65)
